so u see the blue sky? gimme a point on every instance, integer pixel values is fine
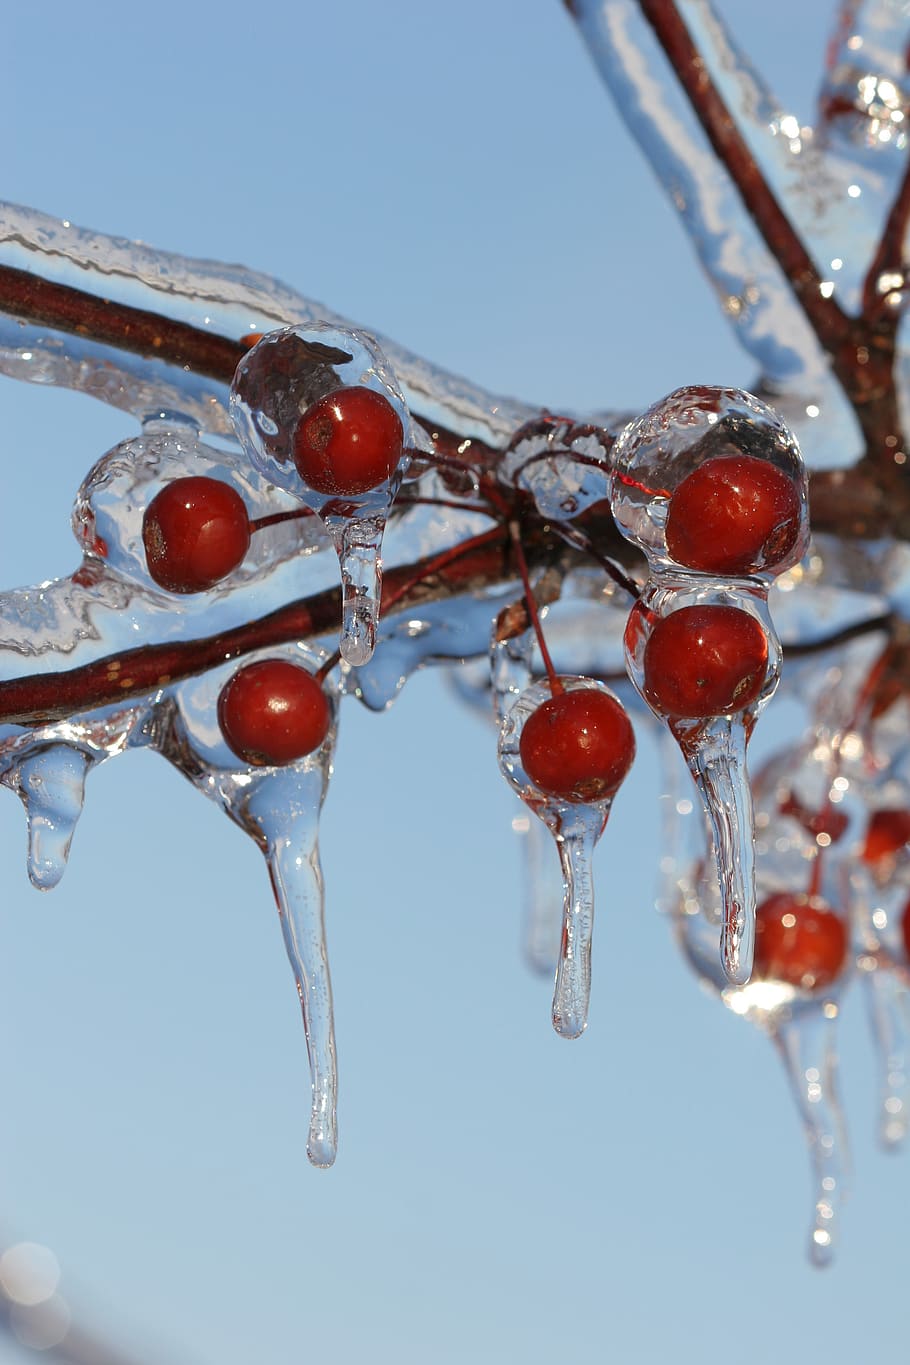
(456, 178)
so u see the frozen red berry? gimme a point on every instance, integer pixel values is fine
(886, 834)
(800, 941)
(734, 514)
(704, 661)
(348, 442)
(195, 531)
(578, 745)
(273, 712)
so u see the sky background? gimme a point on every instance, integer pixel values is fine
(456, 178)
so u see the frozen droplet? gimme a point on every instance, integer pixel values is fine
(805, 1041)
(51, 784)
(358, 544)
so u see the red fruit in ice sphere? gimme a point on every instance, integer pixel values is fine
(347, 442)
(800, 941)
(734, 514)
(578, 746)
(273, 712)
(195, 531)
(886, 834)
(704, 661)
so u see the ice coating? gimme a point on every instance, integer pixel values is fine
(562, 463)
(79, 619)
(225, 304)
(681, 434)
(576, 827)
(275, 383)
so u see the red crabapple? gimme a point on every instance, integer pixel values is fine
(800, 941)
(578, 746)
(348, 442)
(273, 712)
(886, 834)
(703, 661)
(734, 514)
(195, 531)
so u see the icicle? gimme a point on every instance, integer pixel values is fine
(717, 761)
(806, 1044)
(888, 1002)
(286, 810)
(51, 784)
(576, 838)
(543, 896)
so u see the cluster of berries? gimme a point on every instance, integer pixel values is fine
(196, 531)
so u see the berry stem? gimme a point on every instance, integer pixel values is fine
(276, 518)
(573, 536)
(531, 602)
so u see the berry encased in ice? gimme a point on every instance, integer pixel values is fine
(196, 531)
(348, 442)
(704, 661)
(734, 514)
(578, 746)
(800, 941)
(273, 712)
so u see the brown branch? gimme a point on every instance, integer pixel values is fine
(862, 356)
(151, 335)
(889, 255)
(830, 324)
(47, 697)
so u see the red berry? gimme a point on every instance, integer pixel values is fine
(578, 746)
(704, 661)
(734, 514)
(800, 941)
(348, 442)
(196, 531)
(828, 821)
(887, 832)
(273, 712)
